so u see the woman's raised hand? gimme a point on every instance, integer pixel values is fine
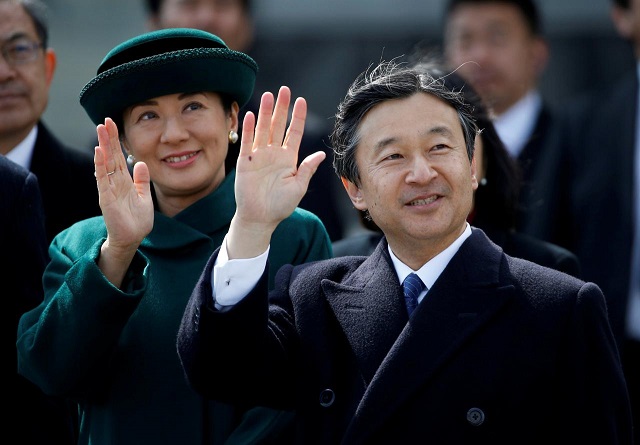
(269, 182)
(125, 202)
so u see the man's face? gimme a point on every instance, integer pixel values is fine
(225, 18)
(627, 23)
(24, 85)
(416, 178)
(495, 50)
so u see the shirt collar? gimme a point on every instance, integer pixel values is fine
(430, 271)
(515, 125)
(23, 152)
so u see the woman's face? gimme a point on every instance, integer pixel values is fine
(183, 139)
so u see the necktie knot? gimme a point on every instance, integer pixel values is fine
(412, 286)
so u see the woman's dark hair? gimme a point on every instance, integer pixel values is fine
(496, 201)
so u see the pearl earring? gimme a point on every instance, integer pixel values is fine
(233, 137)
(483, 181)
(131, 160)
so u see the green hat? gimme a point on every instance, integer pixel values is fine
(168, 61)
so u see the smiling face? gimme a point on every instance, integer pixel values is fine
(416, 179)
(183, 139)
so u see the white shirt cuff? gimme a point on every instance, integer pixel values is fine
(232, 280)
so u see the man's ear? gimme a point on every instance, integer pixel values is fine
(623, 21)
(474, 172)
(540, 54)
(50, 62)
(355, 194)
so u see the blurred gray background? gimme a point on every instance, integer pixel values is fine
(318, 47)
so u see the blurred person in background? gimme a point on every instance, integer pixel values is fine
(233, 22)
(27, 66)
(596, 193)
(498, 47)
(33, 417)
(67, 188)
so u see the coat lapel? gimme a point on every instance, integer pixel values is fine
(465, 297)
(370, 309)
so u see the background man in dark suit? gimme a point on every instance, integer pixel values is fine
(595, 189)
(498, 46)
(67, 188)
(27, 66)
(33, 417)
(498, 351)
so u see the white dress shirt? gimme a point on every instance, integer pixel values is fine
(516, 125)
(231, 280)
(430, 271)
(23, 152)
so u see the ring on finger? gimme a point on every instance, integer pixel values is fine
(108, 173)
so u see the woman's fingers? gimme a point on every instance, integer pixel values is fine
(109, 145)
(117, 162)
(98, 162)
(100, 155)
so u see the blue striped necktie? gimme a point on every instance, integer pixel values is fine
(412, 286)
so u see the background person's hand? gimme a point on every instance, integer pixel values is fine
(125, 202)
(269, 183)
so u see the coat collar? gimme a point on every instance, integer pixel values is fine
(370, 308)
(209, 217)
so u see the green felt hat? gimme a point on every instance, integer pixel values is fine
(168, 61)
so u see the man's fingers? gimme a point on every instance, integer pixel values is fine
(263, 126)
(280, 116)
(248, 127)
(296, 127)
(309, 166)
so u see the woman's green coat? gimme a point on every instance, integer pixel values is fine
(114, 350)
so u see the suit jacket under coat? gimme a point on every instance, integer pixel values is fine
(32, 416)
(67, 184)
(534, 160)
(500, 351)
(590, 195)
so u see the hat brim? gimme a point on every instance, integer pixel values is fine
(184, 71)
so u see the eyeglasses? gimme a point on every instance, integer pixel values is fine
(19, 51)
